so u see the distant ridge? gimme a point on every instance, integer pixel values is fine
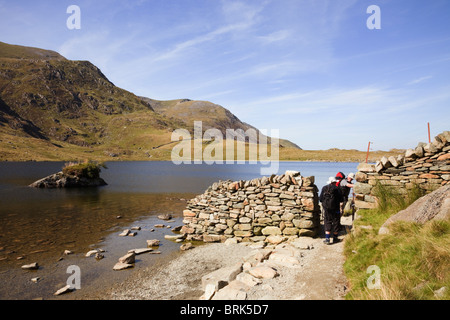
(212, 116)
(52, 108)
(21, 52)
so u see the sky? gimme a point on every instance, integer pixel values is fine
(312, 69)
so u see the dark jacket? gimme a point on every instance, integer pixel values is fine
(337, 195)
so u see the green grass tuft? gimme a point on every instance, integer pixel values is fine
(88, 169)
(414, 259)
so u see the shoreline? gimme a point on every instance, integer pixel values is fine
(318, 275)
(203, 162)
(340, 155)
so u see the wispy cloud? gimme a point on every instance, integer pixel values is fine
(417, 81)
(180, 48)
(274, 37)
(363, 101)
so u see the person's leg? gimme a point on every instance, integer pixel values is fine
(342, 209)
(336, 226)
(327, 221)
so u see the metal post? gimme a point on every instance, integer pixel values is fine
(429, 135)
(368, 149)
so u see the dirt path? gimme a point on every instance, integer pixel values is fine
(318, 276)
(322, 277)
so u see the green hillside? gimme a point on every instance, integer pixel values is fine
(52, 108)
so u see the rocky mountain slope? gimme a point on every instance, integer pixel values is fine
(52, 108)
(212, 116)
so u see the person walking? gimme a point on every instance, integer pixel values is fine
(345, 185)
(331, 197)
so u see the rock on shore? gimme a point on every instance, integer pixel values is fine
(60, 180)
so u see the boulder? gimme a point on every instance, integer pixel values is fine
(208, 238)
(221, 277)
(419, 151)
(366, 168)
(173, 237)
(61, 180)
(303, 243)
(435, 205)
(63, 290)
(361, 177)
(248, 279)
(438, 143)
(210, 290)
(188, 213)
(121, 266)
(378, 166)
(236, 290)
(166, 216)
(31, 266)
(153, 243)
(400, 159)
(444, 157)
(271, 231)
(285, 259)
(393, 161)
(186, 246)
(124, 233)
(430, 148)
(129, 258)
(386, 163)
(275, 239)
(263, 272)
(93, 252)
(362, 188)
(410, 154)
(140, 251)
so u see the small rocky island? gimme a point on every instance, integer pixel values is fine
(74, 175)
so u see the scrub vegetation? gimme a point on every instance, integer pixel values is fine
(414, 259)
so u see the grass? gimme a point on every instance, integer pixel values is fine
(414, 259)
(137, 143)
(87, 169)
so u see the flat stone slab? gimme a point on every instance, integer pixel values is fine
(263, 272)
(140, 251)
(122, 266)
(221, 277)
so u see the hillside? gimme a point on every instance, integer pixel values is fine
(52, 108)
(212, 116)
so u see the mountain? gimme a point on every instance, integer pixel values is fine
(52, 108)
(212, 116)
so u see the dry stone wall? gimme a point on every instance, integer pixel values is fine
(427, 166)
(279, 205)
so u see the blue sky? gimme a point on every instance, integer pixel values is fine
(310, 68)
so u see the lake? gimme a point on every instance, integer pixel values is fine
(38, 225)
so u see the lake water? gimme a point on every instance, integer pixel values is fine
(37, 225)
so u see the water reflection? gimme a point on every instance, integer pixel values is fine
(38, 224)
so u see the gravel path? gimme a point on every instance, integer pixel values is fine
(318, 276)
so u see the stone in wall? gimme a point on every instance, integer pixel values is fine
(252, 210)
(426, 166)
